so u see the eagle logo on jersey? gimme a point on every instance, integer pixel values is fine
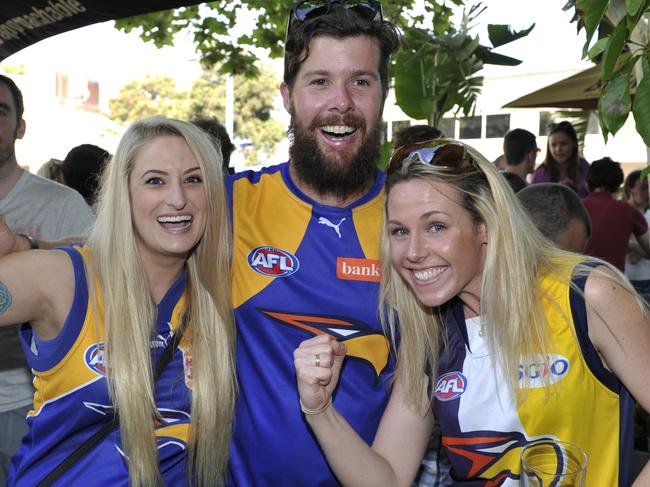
(272, 262)
(361, 341)
(94, 358)
(488, 455)
(171, 426)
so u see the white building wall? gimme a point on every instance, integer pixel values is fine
(626, 146)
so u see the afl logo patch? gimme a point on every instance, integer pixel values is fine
(450, 386)
(94, 358)
(272, 262)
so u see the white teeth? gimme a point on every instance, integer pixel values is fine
(175, 219)
(428, 274)
(338, 129)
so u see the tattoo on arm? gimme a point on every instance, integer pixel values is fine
(5, 298)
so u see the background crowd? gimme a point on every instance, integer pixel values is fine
(302, 241)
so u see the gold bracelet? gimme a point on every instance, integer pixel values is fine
(311, 412)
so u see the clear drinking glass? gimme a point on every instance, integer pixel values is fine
(551, 463)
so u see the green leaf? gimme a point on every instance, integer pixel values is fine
(645, 65)
(385, 153)
(569, 5)
(488, 56)
(455, 41)
(633, 7)
(474, 11)
(628, 64)
(500, 34)
(597, 48)
(467, 49)
(601, 122)
(632, 19)
(613, 50)
(645, 172)
(615, 102)
(410, 95)
(641, 109)
(593, 11)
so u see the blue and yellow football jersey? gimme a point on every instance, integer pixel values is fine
(301, 269)
(71, 401)
(483, 427)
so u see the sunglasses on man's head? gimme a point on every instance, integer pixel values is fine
(309, 9)
(444, 153)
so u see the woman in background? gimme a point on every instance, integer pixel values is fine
(563, 163)
(637, 267)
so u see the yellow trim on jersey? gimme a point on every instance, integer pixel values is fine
(596, 408)
(71, 372)
(256, 207)
(368, 232)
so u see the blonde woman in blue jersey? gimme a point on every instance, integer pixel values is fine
(100, 316)
(504, 338)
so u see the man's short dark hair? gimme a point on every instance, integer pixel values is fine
(82, 168)
(515, 182)
(630, 182)
(15, 94)
(605, 173)
(517, 144)
(218, 132)
(416, 133)
(552, 206)
(340, 23)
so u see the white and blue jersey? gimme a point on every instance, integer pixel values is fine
(484, 428)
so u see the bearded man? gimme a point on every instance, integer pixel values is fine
(306, 245)
(305, 257)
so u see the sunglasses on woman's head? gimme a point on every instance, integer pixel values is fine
(444, 153)
(309, 9)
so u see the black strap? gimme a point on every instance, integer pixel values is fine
(106, 430)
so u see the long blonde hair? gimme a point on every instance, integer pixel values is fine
(116, 276)
(512, 297)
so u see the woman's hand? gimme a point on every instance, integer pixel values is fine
(318, 365)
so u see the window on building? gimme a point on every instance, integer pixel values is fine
(447, 126)
(496, 126)
(470, 127)
(399, 125)
(545, 121)
(593, 127)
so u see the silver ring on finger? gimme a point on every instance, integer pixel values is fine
(317, 360)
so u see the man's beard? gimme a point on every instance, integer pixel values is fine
(7, 153)
(340, 179)
(8, 150)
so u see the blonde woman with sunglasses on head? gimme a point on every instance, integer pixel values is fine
(503, 337)
(112, 379)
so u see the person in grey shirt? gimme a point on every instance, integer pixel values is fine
(33, 207)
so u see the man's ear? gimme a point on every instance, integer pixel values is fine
(20, 129)
(532, 156)
(286, 96)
